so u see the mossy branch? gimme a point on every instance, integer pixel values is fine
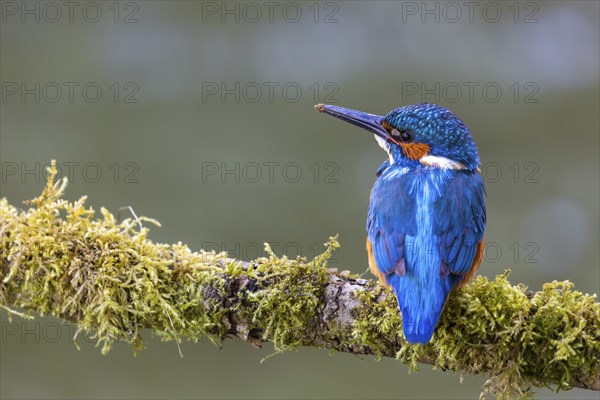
(111, 281)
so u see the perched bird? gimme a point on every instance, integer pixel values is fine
(427, 210)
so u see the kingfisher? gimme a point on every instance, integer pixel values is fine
(426, 214)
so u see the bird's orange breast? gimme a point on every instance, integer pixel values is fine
(373, 265)
(476, 263)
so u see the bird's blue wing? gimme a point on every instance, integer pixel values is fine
(391, 217)
(460, 221)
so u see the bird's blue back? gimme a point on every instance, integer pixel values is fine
(425, 226)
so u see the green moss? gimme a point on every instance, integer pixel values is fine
(59, 258)
(289, 298)
(378, 324)
(105, 275)
(113, 281)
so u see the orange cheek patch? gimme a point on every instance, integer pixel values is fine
(415, 151)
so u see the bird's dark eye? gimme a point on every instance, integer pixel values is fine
(402, 136)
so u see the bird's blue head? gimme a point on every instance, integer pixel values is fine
(419, 134)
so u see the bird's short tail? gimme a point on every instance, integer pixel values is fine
(420, 306)
(416, 328)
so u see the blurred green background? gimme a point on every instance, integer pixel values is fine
(200, 114)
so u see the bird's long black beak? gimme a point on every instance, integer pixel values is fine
(370, 122)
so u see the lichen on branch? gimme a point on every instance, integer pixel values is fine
(58, 258)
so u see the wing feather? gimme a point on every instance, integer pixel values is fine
(391, 217)
(460, 221)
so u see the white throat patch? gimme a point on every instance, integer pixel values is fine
(384, 145)
(440, 162)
